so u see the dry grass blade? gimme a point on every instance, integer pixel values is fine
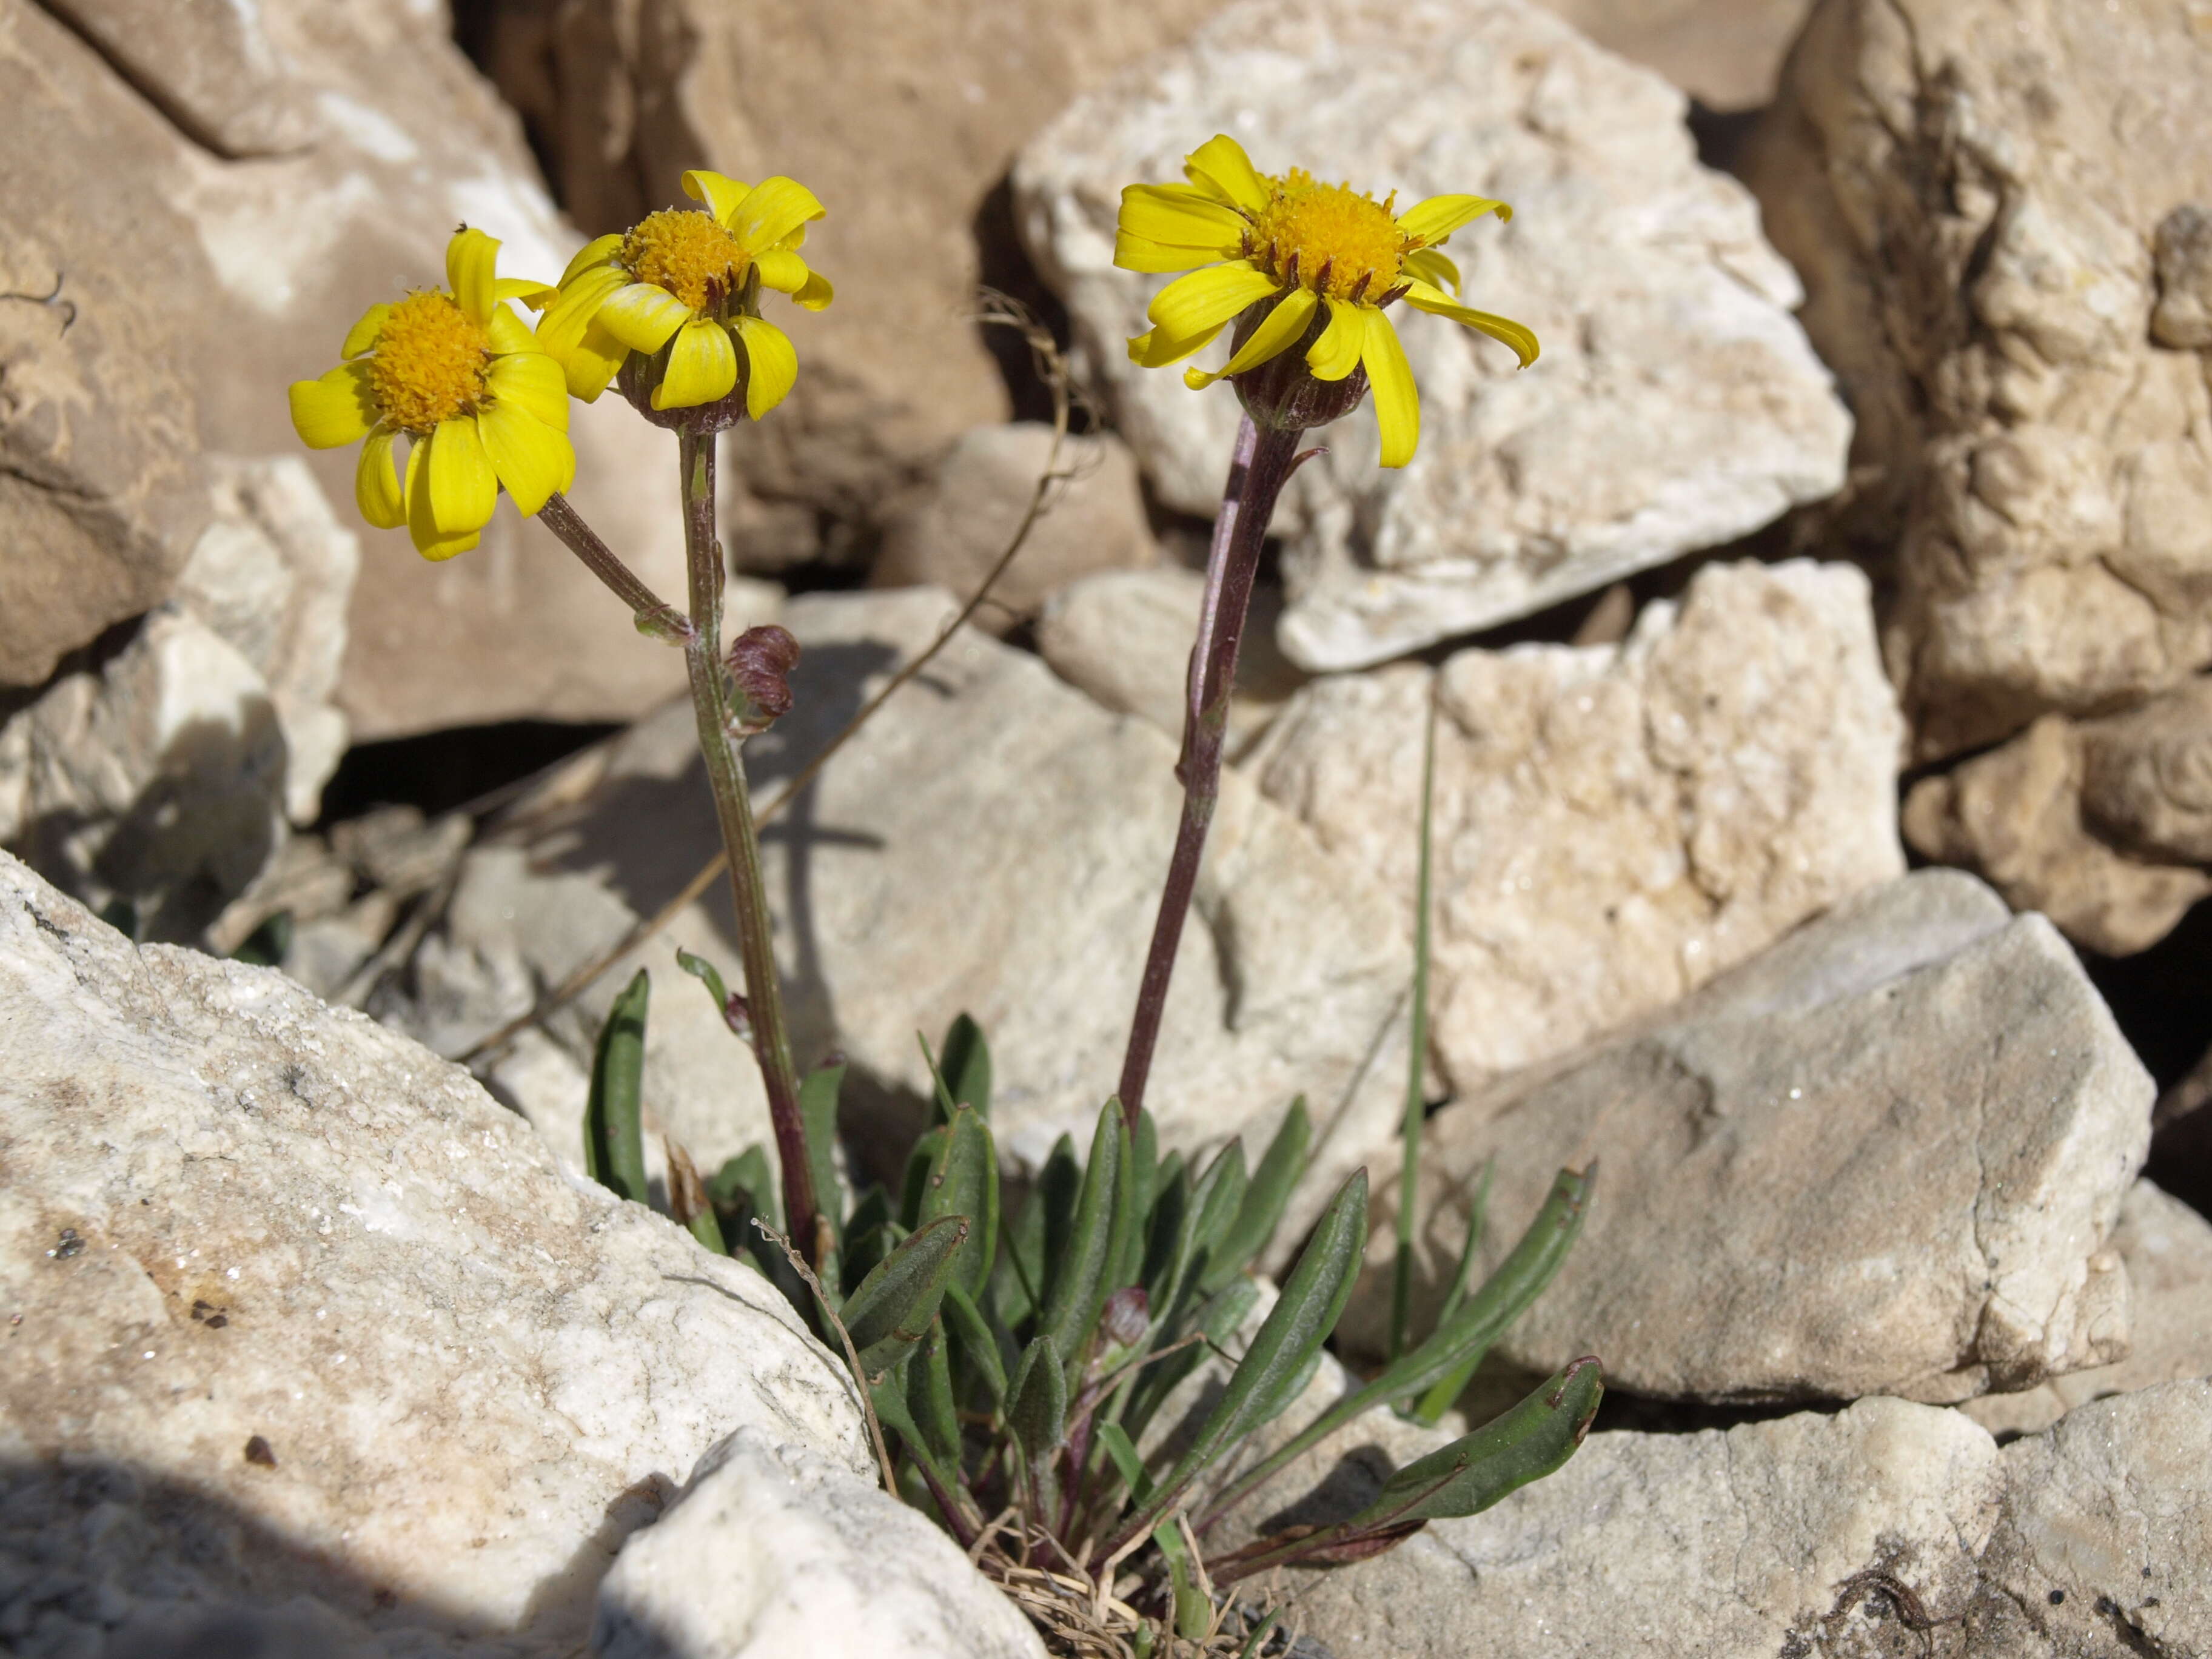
(1000, 310)
(1078, 1623)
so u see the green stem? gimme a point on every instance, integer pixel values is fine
(725, 774)
(1258, 468)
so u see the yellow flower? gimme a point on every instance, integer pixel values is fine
(695, 278)
(461, 375)
(1305, 246)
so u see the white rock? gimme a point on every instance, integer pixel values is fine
(2166, 1249)
(773, 1550)
(1677, 405)
(993, 843)
(298, 1311)
(1992, 204)
(1613, 826)
(1835, 1174)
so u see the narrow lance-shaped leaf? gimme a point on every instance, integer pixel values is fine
(1532, 1440)
(1305, 1312)
(1218, 1198)
(1478, 1322)
(614, 1139)
(893, 1306)
(974, 1342)
(1143, 1182)
(1265, 1198)
(744, 1186)
(1448, 1387)
(929, 1395)
(964, 1180)
(817, 1115)
(914, 1181)
(966, 1059)
(1079, 1286)
(1036, 1411)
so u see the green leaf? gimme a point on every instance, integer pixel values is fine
(964, 1180)
(966, 1059)
(915, 1181)
(929, 1396)
(975, 1344)
(818, 1115)
(1143, 1179)
(892, 1308)
(1448, 1387)
(869, 1236)
(731, 1009)
(1037, 1413)
(1079, 1281)
(1194, 1608)
(1271, 1183)
(888, 1396)
(1306, 1311)
(1467, 1334)
(614, 1139)
(1059, 1188)
(1167, 1250)
(1126, 1463)
(744, 1186)
(1527, 1443)
(707, 1228)
(1217, 1197)
(1220, 1318)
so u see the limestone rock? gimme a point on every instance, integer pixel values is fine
(304, 1318)
(992, 842)
(951, 532)
(902, 117)
(2166, 1249)
(1990, 202)
(1727, 54)
(1125, 636)
(2104, 825)
(2104, 1548)
(774, 1549)
(1677, 405)
(257, 180)
(1612, 826)
(1887, 1159)
(1738, 1545)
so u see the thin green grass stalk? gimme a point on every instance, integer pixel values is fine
(1409, 1171)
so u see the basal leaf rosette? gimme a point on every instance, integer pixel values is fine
(673, 304)
(1298, 263)
(460, 376)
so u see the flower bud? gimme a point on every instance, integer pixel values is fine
(760, 663)
(640, 376)
(1282, 394)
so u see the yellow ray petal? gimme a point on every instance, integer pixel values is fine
(642, 316)
(376, 490)
(1221, 168)
(463, 487)
(364, 334)
(1438, 217)
(1176, 216)
(567, 316)
(817, 295)
(1277, 333)
(781, 269)
(597, 251)
(1206, 299)
(421, 527)
(593, 362)
(776, 207)
(528, 457)
(531, 381)
(536, 295)
(471, 271)
(1397, 399)
(1423, 297)
(1433, 267)
(334, 408)
(718, 193)
(1135, 253)
(510, 333)
(1336, 353)
(771, 365)
(702, 368)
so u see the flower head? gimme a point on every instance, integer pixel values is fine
(458, 374)
(1296, 263)
(680, 290)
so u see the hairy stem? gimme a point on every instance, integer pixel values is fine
(654, 614)
(1262, 461)
(726, 773)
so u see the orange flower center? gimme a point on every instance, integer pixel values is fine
(687, 254)
(429, 363)
(1328, 238)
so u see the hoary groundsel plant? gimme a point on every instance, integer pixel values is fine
(1023, 1369)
